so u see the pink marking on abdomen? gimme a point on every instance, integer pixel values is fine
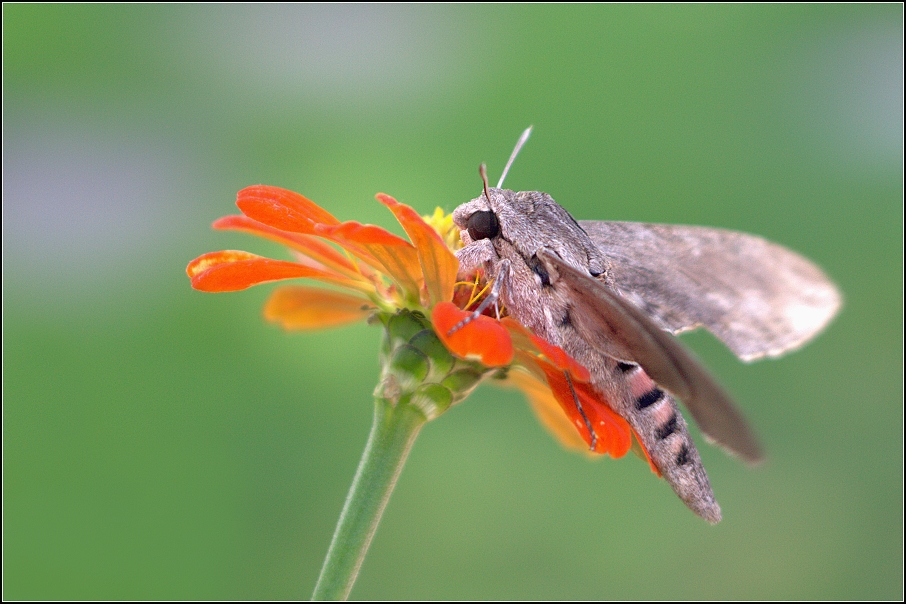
(640, 383)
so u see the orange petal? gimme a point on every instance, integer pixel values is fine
(548, 410)
(483, 339)
(526, 340)
(300, 307)
(522, 337)
(614, 436)
(366, 234)
(439, 264)
(282, 209)
(561, 360)
(311, 246)
(382, 249)
(232, 270)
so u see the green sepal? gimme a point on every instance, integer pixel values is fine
(442, 360)
(418, 370)
(409, 365)
(431, 400)
(462, 382)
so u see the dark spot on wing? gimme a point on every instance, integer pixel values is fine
(566, 320)
(667, 429)
(539, 270)
(626, 367)
(649, 398)
(682, 458)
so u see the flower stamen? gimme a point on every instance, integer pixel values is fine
(476, 293)
(491, 298)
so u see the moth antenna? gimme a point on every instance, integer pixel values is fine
(483, 170)
(591, 430)
(492, 298)
(516, 150)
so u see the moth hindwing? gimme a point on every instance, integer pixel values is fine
(611, 294)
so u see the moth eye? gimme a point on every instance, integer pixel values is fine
(483, 225)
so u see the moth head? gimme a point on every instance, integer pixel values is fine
(481, 218)
(483, 224)
(519, 223)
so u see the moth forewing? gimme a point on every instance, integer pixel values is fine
(759, 298)
(603, 317)
(609, 294)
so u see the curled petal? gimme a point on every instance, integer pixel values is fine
(439, 264)
(526, 340)
(483, 339)
(385, 251)
(614, 436)
(282, 209)
(366, 234)
(300, 307)
(521, 336)
(232, 270)
(548, 410)
(552, 417)
(311, 246)
(561, 360)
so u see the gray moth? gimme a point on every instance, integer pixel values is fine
(613, 294)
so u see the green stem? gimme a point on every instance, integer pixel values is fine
(392, 434)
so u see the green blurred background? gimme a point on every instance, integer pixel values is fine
(161, 443)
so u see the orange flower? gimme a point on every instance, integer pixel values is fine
(375, 271)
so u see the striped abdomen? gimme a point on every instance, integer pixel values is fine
(654, 416)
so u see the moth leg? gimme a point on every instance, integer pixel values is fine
(591, 430)
(503, 274)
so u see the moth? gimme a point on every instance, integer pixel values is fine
(612, 295)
